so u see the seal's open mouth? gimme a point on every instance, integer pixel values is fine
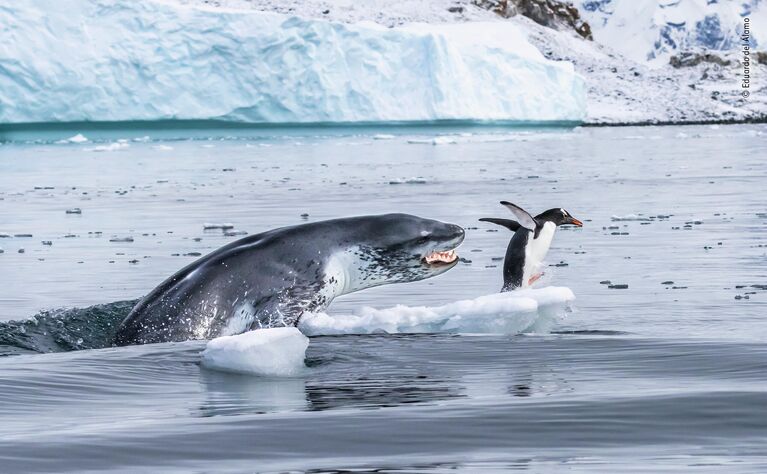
(436, 258)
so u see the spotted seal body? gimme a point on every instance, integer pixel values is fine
(270, 279)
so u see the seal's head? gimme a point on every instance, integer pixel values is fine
(396, 248)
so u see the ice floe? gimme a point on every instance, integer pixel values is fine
(527, 310)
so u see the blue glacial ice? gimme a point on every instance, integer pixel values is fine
(118, 60)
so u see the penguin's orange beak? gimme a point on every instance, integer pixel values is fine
(575, 222)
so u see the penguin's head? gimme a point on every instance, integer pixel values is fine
(558, 216)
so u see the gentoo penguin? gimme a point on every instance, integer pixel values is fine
(530, 243)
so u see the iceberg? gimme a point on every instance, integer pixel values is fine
(121, 60)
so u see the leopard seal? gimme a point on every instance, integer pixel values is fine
(272, 278)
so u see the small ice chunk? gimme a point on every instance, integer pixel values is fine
(79, 138)
(383, 136)
(442, 140)
(222, 226)
(413, 180)
(119, 145)
(275, 351)
(630, 217)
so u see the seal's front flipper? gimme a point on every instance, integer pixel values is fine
(508, 223)
(523, 217)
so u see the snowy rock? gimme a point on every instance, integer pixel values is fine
(275, 351)
(527, 310)
(97, 60)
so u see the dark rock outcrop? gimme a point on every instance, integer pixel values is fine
(551, 13)
(689, 59)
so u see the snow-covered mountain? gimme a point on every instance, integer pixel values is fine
(113, 60)
(653, 30)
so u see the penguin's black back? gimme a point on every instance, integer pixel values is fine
(514, 263)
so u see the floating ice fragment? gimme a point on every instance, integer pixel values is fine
(119, 145)
(433, 141)
(382, 136)
(79, 138)
(413, 180)
(630, 217)
(275, 351)
(222, 226)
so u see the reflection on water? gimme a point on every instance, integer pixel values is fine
(482, 372)
(388, 391)
(236, 394)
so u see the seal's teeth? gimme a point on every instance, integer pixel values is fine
(447, 256)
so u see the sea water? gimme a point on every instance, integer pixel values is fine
(657, 363)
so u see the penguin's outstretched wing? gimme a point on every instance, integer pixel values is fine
(508, 223)
(525, 219)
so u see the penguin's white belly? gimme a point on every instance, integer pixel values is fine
(536, 250)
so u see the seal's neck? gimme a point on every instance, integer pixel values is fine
(349, 270)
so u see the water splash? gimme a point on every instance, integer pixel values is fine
(60, 330)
